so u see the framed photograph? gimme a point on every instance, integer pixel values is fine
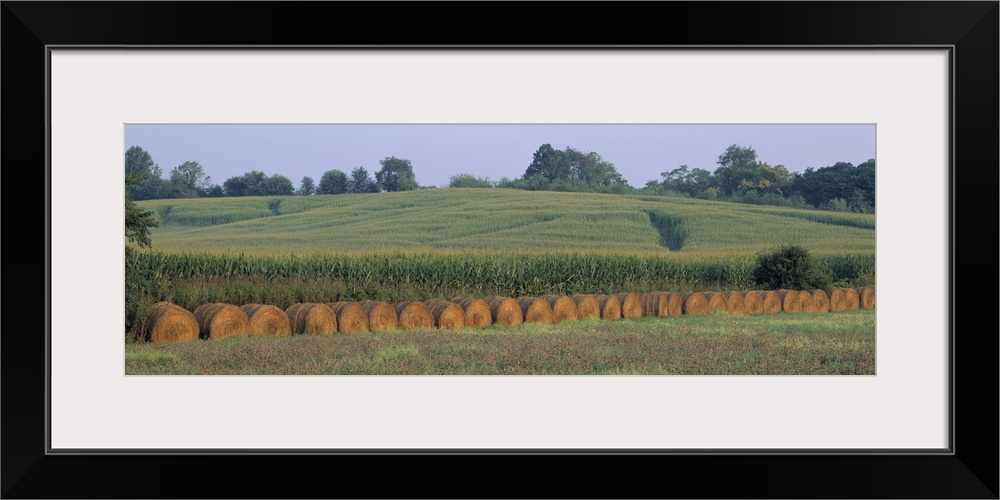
(927, 87)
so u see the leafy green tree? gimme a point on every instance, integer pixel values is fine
(789, 266)
(137, 221)
(735, 164)
(148, 183)
(333, 182)
(188, 180)
(278, 185)
(307, 187)
(684, 180)
(396, 174)
(361, 182)
(464, 180)
(248, 184)
(549, 163)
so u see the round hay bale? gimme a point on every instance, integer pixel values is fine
(675, 304)
(381, 315)
(736, 303)
(446, 314)
(311, 318)
(267, 320)
(536, 310)
(790, 302)
(351, 317)
(413, 315)
(610, 307)
(168, 322)
(563, 308)
(586, 307)
(505, 311)
(821, 301)
(853, 300)
(753, 302)
(867, 297)
(772, 301)
(838, 300)
(221, 321)
(631, 305)
(654, 304)
(717, 302)
(806, 302)
(695, 303)
(477, 311)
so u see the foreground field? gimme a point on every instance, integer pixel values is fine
(715, 344)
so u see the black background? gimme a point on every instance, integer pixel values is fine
(971, 472)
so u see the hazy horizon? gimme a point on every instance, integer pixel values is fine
(438, 152)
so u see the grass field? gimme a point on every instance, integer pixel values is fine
(717, 344)
(454, 219)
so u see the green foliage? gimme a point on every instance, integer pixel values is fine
(307, 187)
(274, 205)
(138, 221)
(464, 180)
(361, 182)
(188, 180)
(396, 174)
(256, 183)
(791, 267)
(672, 231)
(333, 182)
(145, 285)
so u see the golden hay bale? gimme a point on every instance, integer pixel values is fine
(221, 321)
(563, 308)
(351, 317)
(806, 302)
(631, 305)
(610, 307)
(772, 301)
(381, 315)
(536, 310)
(413, 315)
(717, 302)
(586, 307)
(477, 311)
(675, 304)
(168, 322)
(853, 301)
(267, 320)
(505, 311)
(736, 303)
(311, 318)
(867, 297)
(790, 302)
(838, 300)
(821, 301)
(446, 314)
(753, 302)
(695, 303)
(654, 304)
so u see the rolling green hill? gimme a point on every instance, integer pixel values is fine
(458, 220)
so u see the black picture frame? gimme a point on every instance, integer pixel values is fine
(970, 470)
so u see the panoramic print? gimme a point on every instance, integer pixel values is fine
(476, 249)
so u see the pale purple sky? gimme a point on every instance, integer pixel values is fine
(437, 152)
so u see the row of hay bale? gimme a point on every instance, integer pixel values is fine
(168, 322)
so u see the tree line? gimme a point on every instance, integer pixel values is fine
(739, 177)
(188, 180)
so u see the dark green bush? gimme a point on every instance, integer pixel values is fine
(791, 267)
